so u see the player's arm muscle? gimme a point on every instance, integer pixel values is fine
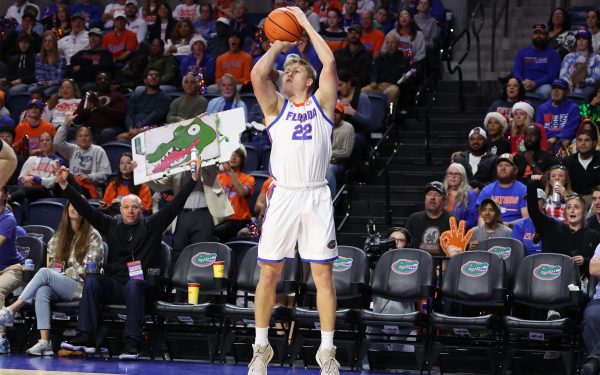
(269, 100)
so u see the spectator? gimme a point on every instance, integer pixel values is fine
(61, 21)
(17, 10)
(238, 187)
(560, 36)
(179, 42)
(506, 191)
(3, 110)
(165, 65)
(365, 6)
(10, 260)
(427, 24)
(74, 244)
(222, 8)
(581, 68)
(120, 42)
(86, 64)
(235, 62)
(537, 65)
(524, 230)
(306, 50)
(103, 111)
(334, 35)
(191, 104)
(513, 92)
(586, 124)
(88, 162)
(533, 160)
(142, 236)
(584, 166)
(205, 24)
(354, 58)
(36, 180)
(342, 145)
(109, 12)
(371, 38)
(313, 18)
(122, 185)
(67, 100)
(164, 24)
(559, 115)
(382, 20)
(357, 111)
(426, 226)
(34, 12)
(198, 62)
(593, 222)
(412, 41)
(76, 41)
(388, 69)
(593, 26)
(479, 164)
(49, 66)
(320, 7)
(239, 23)
(218, 44)
(229, 98)
(492, 226)
(33, 126)
(523, 117)
(20, 72)
(558, 188)
(350, 14)
(496, 126)
(462, 199)
(571, 239)
(91, 11)
(134, 22)
(9, 43)
(189, 10)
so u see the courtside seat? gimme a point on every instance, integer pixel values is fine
(509, 249)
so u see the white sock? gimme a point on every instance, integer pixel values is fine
(262, 336)
(326, 340)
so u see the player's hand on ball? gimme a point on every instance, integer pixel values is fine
(282, 46)
(300, 16)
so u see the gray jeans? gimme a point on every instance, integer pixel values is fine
(47, 286)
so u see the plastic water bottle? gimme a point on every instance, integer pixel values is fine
(91, 267)
(28, 266)
(193, 156)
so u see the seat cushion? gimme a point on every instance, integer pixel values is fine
(549, 326)
(203, 309)
(443, 321)
(370, 318)
(341, 315)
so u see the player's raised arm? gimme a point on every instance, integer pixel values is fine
(328, 80)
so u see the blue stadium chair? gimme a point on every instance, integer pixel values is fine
(45, 213)
(62, 201)
(40, 231)
(378, 111)
(259, 179)
(16, 104)
(114, 150)
(32, 248)
(252, 158)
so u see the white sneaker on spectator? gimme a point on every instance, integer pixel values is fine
(42, 347)
(7, 317)
(326, 359)
(260, 359)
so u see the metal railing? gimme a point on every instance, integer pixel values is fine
(458, 68)
(476, 29)
(429, 85)
(496, 16)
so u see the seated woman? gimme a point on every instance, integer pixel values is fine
(334, 35)
(412, 41)
(523, 117)
(36, 179)
(49, 66)
(123, 185)
(558, 188)
(74, 244)
(496, 126)
(238, 187)
(582, 67)
(492, 226)
(513, 92)
(198, 62)
(462, 199)
(178, 44)
(67, 100)
(88, 162)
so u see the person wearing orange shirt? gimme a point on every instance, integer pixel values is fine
(371, 38)
(120, 42)
(33, 126)
(238, 187)
(236, 61)
(123, 185)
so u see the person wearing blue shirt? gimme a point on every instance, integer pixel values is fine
(524, 230)
(198, 61)
(559, 115)
(507, 191)
(537, 65)
(229, 98)
(92, 11)
(462, 199)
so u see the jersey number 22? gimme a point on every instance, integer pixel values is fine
(302, 132)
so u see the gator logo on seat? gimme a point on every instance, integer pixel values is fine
(501, 251)
(547, 272)
(405, 266)
(203, 259)
(342, 264)
(474, 269)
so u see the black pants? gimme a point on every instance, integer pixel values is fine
(100, 290)
(229, 229)
(192, 227)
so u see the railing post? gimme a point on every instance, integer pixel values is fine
(493, 47)
(506, 18)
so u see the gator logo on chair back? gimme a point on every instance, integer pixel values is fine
(501, 251)
(203, 259)
(24, 251)
(342, 264)
(547, 272)
(405, 266)
(474, 268)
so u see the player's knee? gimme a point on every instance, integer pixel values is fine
(270, 274)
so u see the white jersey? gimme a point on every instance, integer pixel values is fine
(301, 144)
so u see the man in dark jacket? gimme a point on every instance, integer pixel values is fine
(20, 66)
(354, 57)
(533, 160)
(86, 64)
(584, 166)
(135, 247)
(479, 164)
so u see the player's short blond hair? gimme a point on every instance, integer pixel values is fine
(312, 73)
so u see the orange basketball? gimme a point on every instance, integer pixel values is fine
(282, 25)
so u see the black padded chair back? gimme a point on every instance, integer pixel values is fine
(32, 248)
(239, 248)
(475, 278)
(403, 275)
(592, 286)
(249, 273)
(195, 265)
(46, 213)
(542, 280)
(166, 261)
(350, 271)
(42, 232)
(509, 249)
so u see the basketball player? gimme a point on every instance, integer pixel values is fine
(299, 204)
(8, 162)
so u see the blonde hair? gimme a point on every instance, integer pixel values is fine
(462, 193)
(312, 73)
(74, 86)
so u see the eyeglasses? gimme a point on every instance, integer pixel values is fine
(453, 174)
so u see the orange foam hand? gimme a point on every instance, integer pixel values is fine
(455, 240)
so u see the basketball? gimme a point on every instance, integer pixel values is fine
(282, 25)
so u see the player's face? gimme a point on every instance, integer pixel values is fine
(295, 78)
